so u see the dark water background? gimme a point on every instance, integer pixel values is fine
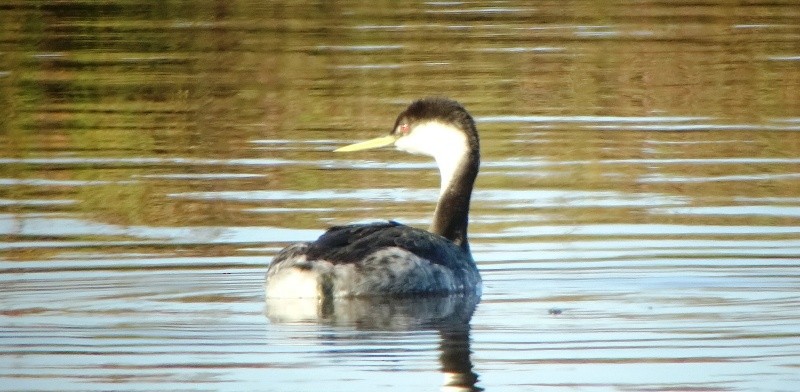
(636, 220)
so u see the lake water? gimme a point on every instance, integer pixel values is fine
(636, 220)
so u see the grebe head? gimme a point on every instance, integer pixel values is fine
(437, 127)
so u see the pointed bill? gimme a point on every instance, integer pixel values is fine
(369, 144)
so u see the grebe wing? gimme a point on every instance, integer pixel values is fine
(353, 243)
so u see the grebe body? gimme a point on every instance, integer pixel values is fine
(389, 258)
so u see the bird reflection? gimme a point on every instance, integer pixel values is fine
(448, 315)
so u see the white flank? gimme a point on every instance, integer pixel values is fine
(294, 283)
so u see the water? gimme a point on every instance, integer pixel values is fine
(636, 220)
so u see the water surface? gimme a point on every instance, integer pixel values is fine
(636, 220)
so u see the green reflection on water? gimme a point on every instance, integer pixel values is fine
(133, 79)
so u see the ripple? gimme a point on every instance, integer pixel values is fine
(663, 178)
(503, 197)
(359, 48)
(73, 229)
(37, 203)
(765, 210)
(585, 119)
(144, 161)
(639, 230)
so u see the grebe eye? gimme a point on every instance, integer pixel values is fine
(404, 128)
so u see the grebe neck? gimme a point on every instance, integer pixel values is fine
(451, 217)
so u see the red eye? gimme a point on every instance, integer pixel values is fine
(404, 129)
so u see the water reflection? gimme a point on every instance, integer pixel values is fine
(449, 316)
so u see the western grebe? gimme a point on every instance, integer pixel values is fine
(388, 258)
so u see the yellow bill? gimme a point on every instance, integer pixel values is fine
(369, 144)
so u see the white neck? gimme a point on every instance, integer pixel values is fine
(446, 144)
